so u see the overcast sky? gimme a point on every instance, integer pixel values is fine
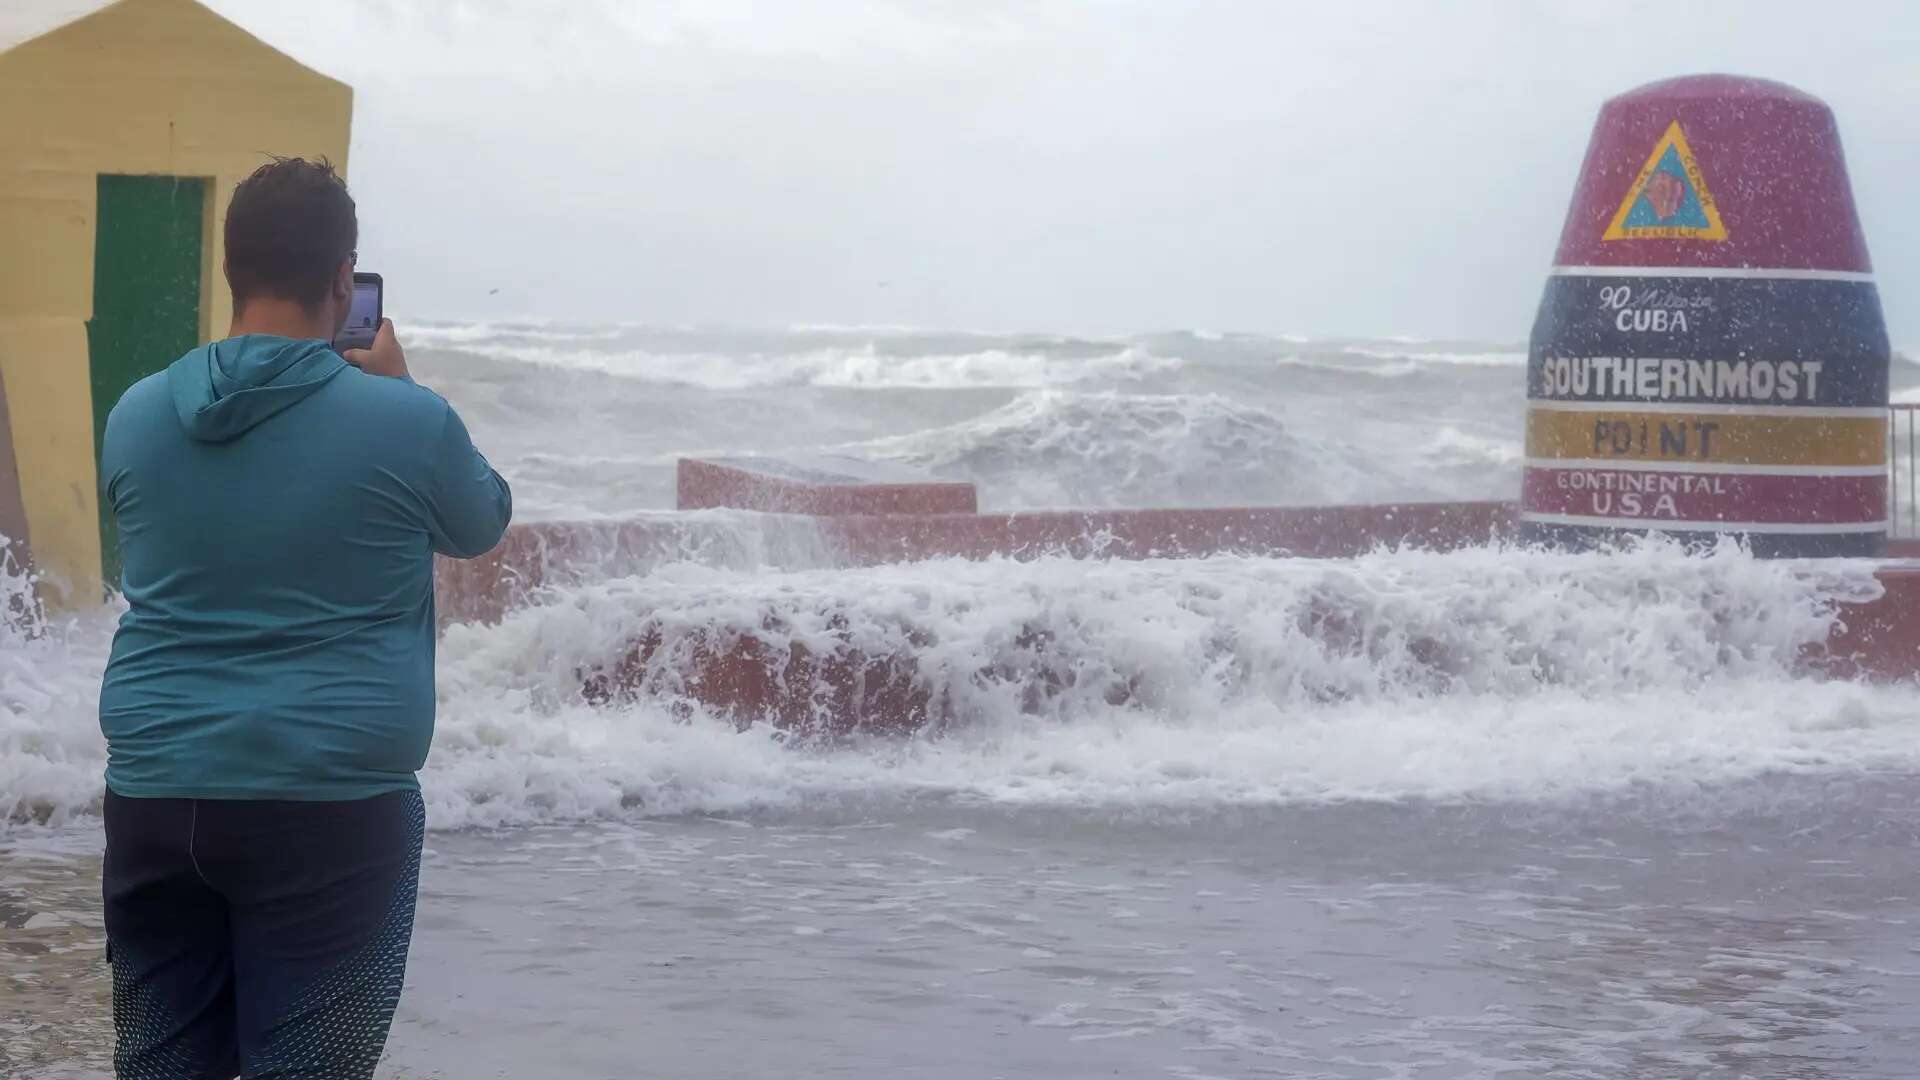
(1355, 167)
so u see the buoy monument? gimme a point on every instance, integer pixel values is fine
(1709, 356)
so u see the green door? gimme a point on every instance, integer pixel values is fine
(146, 298)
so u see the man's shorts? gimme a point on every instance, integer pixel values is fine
(264, 939)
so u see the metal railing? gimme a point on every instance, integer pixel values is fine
(1903, 470)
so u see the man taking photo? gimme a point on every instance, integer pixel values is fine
(270, 694)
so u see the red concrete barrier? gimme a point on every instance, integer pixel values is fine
(881, 514)
(1306, 532)
(844, 690)
(1879, 641)
(839, 689)
(826, 487)
(483, 589)
(794, 688)
(540, 554)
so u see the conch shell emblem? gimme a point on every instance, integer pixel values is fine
(1665, 192)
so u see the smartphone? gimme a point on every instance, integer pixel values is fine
(363, 317)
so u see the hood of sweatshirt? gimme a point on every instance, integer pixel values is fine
(224, 390)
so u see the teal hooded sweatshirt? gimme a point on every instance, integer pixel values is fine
(278, 512)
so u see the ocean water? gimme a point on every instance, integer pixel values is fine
(1483, 814)
(589, 422)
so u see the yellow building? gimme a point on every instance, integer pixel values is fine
(124, 127)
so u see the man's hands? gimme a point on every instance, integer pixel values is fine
(386, 356)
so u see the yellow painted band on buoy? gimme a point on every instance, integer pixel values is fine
(1706, 437)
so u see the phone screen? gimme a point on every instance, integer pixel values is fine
(363, 317)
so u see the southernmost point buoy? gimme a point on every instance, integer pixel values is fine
(1709, 355)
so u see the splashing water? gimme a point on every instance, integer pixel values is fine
(51, 753)
(1218, 682)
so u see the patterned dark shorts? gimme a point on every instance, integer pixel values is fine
(260, 939)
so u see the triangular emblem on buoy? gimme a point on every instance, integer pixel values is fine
(1669, 200)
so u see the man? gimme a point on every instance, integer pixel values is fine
(270, 695)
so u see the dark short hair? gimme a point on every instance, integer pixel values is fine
(289, 227)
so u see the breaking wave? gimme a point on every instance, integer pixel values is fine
(1062, 448)
(854, 367)
(1483, 674)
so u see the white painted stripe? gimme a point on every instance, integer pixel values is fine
(1711, 272)
(1807, 412)
(1704, 467)
(1807, 528)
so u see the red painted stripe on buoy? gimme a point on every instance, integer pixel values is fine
(1657, 498)
(1715, 171)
